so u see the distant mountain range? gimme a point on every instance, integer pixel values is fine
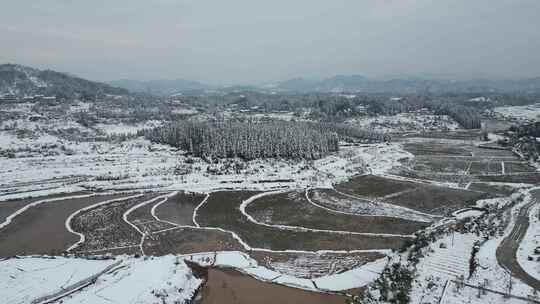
(22, 80)
(356, 83)
(160, 87)
(340, 83)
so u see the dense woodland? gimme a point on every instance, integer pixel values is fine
(255, 139)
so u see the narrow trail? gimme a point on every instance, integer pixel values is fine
(507, 250)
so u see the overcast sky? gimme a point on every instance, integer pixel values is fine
(252, 41)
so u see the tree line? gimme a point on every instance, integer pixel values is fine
(253, 139)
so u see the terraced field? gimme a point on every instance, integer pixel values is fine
(223, 210)
(294, 209)
(307, 234)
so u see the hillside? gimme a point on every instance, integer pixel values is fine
(22, 80)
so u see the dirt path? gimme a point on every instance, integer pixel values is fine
(506, 253)
(225, 286)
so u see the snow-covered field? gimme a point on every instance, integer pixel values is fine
(122, 128)
(404, 122)
(125, 280)
(138, 163)
(41, 156)
(529, 112)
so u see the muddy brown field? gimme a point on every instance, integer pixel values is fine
(293, 209)
(501, 190)
(10, 206)
(189, 240)
(222, 210)
(226, 286)
(437, 200)
(373, 186)
(143, 219)
(179, 208)
(41, 229)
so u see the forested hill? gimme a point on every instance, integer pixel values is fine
(22, 80)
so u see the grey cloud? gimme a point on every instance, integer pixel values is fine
(242, 41)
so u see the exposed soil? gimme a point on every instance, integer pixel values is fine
(293, 209)
(485, 167)
(478, 151)
(437, 200)
(189, 240)
(436, 148)
(515, 167)
(501, 190)
(222, 210)
(458, 135)
(527, 178)
(179, 208)
(41, 229)
(373, 186)
(227, 286)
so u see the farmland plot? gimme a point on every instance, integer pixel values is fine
(143, 219)
(41, 229)
(313, 265)
(104, 227)
(437, 200)
(222, 210)
(372, 186)
(187, 240)
(293, 209)
(179, 208)
(10, 206)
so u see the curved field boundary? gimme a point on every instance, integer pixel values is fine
(153, 211)
(245, 245)
(125, 216)
(34, 204)
(197, 209)
(304, 229)
(81, 236)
